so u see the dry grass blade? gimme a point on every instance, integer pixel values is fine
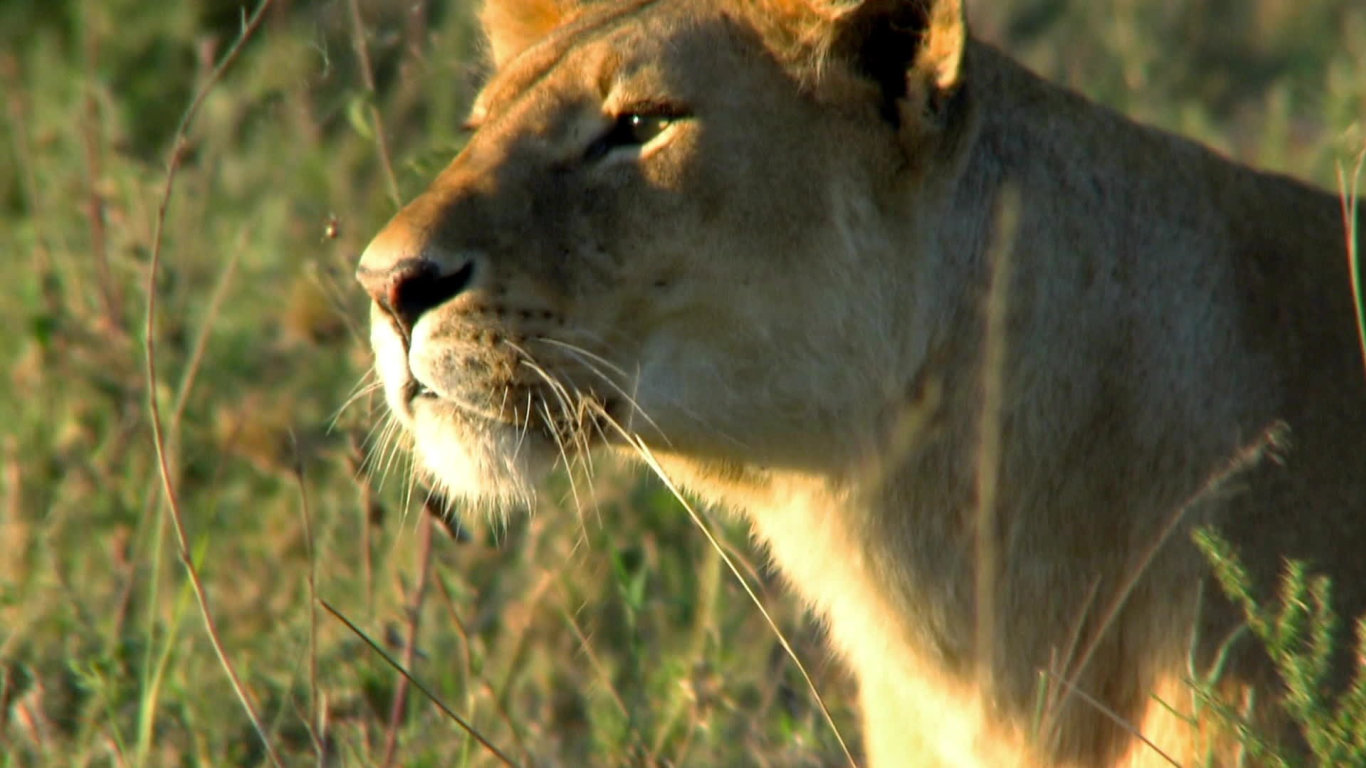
(989, 435)
(447, 711)
(1348, 192)
(306, 515)
(1110, 713)
(655, 467)
(414, 610)
(95, 203)
(367, 73)
(249, 28)
(1247, 457)
(201, 340)
(586, 647)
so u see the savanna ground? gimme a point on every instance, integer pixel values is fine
(607, 636)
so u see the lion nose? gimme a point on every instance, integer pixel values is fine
(407, 282)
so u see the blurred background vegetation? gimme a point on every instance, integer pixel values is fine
(607, 638)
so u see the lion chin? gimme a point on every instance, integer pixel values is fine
(488, 464)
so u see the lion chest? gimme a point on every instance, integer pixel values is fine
(911, 704)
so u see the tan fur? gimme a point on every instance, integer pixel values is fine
(784, 293)
(514, 27)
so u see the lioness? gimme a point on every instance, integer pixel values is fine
(970, 353)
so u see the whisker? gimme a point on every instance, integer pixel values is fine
(427, 507)
(630, 397)
(574, 406)
(368, 384)
(526, 416)
(561, 393)
(377, 439)
(412, 485)
(578, 350)
(521, 428)
(583, 421)
(374, 432)
(564, 456)
(391, 445)
(399, 450)
(587, 360)
(563, 397)
(583, 415)
(567, 399)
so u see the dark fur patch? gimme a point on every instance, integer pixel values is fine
(881, 39)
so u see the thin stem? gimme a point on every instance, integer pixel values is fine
(414, 609)
(658, 469)
(460, 721)
(177, 156)
(1349, 194)
(306, 515)
(367, 73)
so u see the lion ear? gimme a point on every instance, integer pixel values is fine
(913, 49)
(512, 26)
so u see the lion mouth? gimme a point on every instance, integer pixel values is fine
(415, 390)
(573, 418)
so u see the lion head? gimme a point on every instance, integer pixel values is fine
(655, 229)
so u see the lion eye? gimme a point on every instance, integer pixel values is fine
(642, 128)
(631, 129)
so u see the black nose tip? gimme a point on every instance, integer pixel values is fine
(407, 289)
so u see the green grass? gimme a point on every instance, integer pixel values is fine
(613, 637)
(1297, 628)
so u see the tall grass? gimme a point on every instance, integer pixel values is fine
(1298, 629)
(1349, 190)
(607, 637)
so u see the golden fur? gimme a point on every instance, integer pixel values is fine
(780, 276)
